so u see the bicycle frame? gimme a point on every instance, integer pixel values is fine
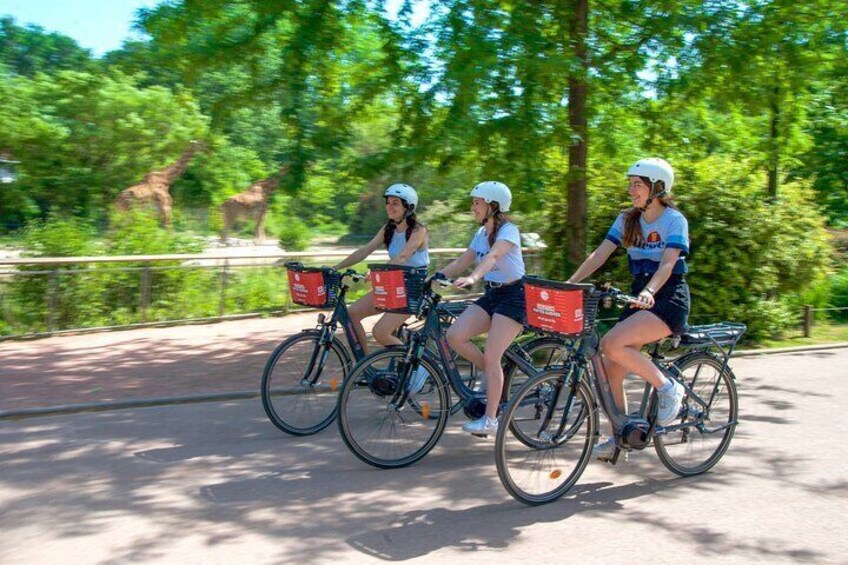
(432, 330)
(327, 329)
(589, 363)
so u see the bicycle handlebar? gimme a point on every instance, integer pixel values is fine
(612, 294)
(354, 276)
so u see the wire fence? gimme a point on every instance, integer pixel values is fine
(41, 297)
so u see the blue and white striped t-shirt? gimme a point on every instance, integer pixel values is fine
(669, 230)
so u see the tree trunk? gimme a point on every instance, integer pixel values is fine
(774, 144)
(578, 148)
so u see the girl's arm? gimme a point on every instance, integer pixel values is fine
(669, 259)
(459, 265)
(416, 240)
(361, 253)
(498, 250)
(594, 261)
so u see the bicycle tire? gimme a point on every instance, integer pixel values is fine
(375, 431)
(292, 405)
(542, 471)
(700, 437)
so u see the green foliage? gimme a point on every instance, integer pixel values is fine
(30, 50)
(293, 233)
(447, 228)
(138, 232)
(59, 236)
(44, 296)
(749, 255)
(839, 294)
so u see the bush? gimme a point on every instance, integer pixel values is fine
(294, 234)
(38, 301)
(839, 294)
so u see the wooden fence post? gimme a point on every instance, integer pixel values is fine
(808, 320)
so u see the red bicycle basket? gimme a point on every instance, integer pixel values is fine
(310, 286)
(556, 306)
(397, 288)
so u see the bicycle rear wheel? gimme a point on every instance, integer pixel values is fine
(545, 438)
(380, 433)
(300, 383)
(544, 353)
(695, 442)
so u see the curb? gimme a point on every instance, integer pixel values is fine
(800, 349)
(123, 404)
(246, 395)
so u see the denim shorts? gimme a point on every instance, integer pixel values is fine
(671, 302)
(505, 300)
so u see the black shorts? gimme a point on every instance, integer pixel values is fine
(671, 302)
(505, 300)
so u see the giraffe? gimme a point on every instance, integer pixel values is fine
(252, 204)
(154, 188)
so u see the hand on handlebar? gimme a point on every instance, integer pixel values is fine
(644, 301)
(440, 278)
(463, 282)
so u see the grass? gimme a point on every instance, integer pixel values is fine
(822, 333)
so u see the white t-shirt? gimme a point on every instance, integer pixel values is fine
(510, 267)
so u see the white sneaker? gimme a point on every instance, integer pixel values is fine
(417, 380)
(605, 450)
(482, 426)
(670, 402)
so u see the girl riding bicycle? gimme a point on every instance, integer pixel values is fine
(656, 236)
(406, 240)
(497, 249)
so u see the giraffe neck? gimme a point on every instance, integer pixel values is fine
(173, 171)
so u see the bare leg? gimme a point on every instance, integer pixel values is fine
(359, 310)
(624, 342)
(502, 333)
(473, 322)
(384, 329)
(259, 236)
(616, 375)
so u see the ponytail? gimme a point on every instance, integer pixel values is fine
(498, 219)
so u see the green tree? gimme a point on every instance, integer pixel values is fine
(29, 50)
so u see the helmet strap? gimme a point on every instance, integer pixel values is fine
(651, 197)
(491, 213)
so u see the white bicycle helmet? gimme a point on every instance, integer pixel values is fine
(493, 191)
(654, 169)
(404, 192)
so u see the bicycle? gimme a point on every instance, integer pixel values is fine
(389, 420)
(303, 374)
(558, 410)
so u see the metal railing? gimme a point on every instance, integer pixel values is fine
(41, 297)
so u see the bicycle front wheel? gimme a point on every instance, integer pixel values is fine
(301, 381)
(698, 439)
(545, 438)
(375, 428)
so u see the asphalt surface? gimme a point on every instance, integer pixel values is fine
(217, 483)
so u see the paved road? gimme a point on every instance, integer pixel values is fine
(215, 483)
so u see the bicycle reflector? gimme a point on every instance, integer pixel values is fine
(556, 306)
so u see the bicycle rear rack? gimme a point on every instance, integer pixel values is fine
(723, 336)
